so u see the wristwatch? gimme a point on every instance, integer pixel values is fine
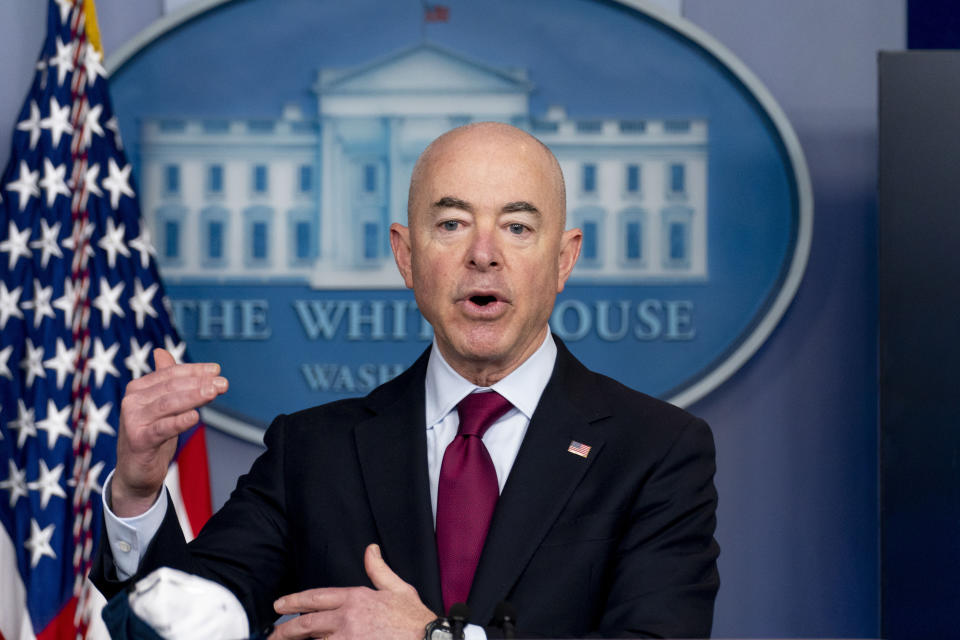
(438, 629)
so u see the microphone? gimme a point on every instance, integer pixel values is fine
(459, 615)
(505, 617)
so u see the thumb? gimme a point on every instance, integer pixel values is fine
(380, 574)
(163, 359)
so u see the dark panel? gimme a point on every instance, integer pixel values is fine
(933, 24)
(919, 348)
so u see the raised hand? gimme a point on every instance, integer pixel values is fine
(155, 410)
(392, 609)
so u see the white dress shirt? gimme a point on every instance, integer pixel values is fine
(445, 388)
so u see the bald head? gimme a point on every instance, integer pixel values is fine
(485, 250)
(482, 141)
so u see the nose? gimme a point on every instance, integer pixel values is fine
(484, 250)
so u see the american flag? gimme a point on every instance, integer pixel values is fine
(579, 449)
(81, 308)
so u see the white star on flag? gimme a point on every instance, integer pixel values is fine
(176, 349)
(143, 243)
(97, 421)
(108, 303)
(15, 244)
(32, 363)
(57, 121)
(66, 302)
(48, 484)
(114, 125)
(16, 483)
(31, 124)
(9, 304)
(49, 244)
(112, 242)
(63, 60)
(90, 184)
(25, 186)
(102, 361)
(64, 363)
(40, 303)
(91, 125)
(117, 182)
(136, 362)
(65, 7)
(91, 60)
(24, 423)
(142, 301)
(5, 358)
(56, 423)
(53, 181)
(39, 542)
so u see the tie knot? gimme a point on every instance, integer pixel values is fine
(480, 410)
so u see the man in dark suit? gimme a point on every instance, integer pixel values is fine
(605, 516)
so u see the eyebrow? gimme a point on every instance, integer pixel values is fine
(520, 205)
(450, 202)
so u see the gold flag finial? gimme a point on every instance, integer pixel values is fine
(93, 29)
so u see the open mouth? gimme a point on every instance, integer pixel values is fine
(482, 301)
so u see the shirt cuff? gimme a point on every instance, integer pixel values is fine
(129, 537)
(474, 632)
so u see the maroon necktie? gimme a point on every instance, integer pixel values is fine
(466, 495)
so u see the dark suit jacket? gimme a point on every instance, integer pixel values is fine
(619, 543)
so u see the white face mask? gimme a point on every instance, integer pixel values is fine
(180, 606)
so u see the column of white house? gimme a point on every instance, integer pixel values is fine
(655, 185)
(291, 152)
(329, 195)
(233, 194)
(696, 164)
(396, 191)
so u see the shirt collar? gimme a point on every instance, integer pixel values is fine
(523, 386)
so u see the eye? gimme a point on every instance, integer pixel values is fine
(516, 228)
(450, 225)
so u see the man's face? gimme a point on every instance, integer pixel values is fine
(485, 252)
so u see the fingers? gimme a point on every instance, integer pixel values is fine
(319, 613)
(311, 600)
(169, 372)
(309, 625)
(167, 403)
(380, 574)
(163, 359)
(177, 395)
(392, 610)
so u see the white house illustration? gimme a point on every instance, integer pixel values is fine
(311, 197)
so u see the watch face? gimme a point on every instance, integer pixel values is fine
(440, 633)
(439, 629)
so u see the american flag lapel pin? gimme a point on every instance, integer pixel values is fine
(579, 449)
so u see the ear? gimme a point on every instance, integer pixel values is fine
(570, 243)
(400, 242)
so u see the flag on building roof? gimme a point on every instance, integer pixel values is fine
(436, 13)
(81, 308)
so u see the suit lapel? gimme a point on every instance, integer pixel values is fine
(541, 481)
(391, 447)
